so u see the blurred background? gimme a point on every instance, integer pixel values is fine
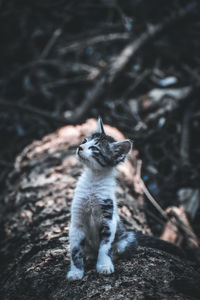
(135, 62)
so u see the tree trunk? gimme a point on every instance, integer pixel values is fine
(35, 213)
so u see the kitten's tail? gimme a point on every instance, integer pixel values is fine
(156, 243)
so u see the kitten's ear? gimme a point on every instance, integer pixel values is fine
(121, 149)
(100, 128)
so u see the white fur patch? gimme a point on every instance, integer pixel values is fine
(123, 244)
(75, 274)
(104, 265)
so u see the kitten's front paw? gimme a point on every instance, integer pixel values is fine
(105, 268)
(75, 275)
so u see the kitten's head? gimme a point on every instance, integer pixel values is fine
(100, 151)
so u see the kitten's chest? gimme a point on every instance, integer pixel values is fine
(91, 205)
(91, 220)
(89, 195)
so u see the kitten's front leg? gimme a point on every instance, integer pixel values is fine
(77, 238)
(107, 235)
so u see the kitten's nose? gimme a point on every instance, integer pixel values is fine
(80, 148)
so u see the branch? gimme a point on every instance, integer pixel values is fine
(51, 43)
(111, 72)
(152, 31)
(94, 40)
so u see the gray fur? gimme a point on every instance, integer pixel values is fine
(95, 228)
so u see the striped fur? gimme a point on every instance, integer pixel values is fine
(95, 219)
(96, 229)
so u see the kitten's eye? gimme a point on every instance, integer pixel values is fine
(94, 148)
(84, 141)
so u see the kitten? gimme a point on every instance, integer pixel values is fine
(96, 229)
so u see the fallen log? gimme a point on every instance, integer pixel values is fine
(35, 211)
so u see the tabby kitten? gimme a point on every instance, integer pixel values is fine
(96, 229)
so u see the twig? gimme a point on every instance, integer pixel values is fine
(95, 40)
(50, 43)
(147, 193)
(153, 201)
(76, 67)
